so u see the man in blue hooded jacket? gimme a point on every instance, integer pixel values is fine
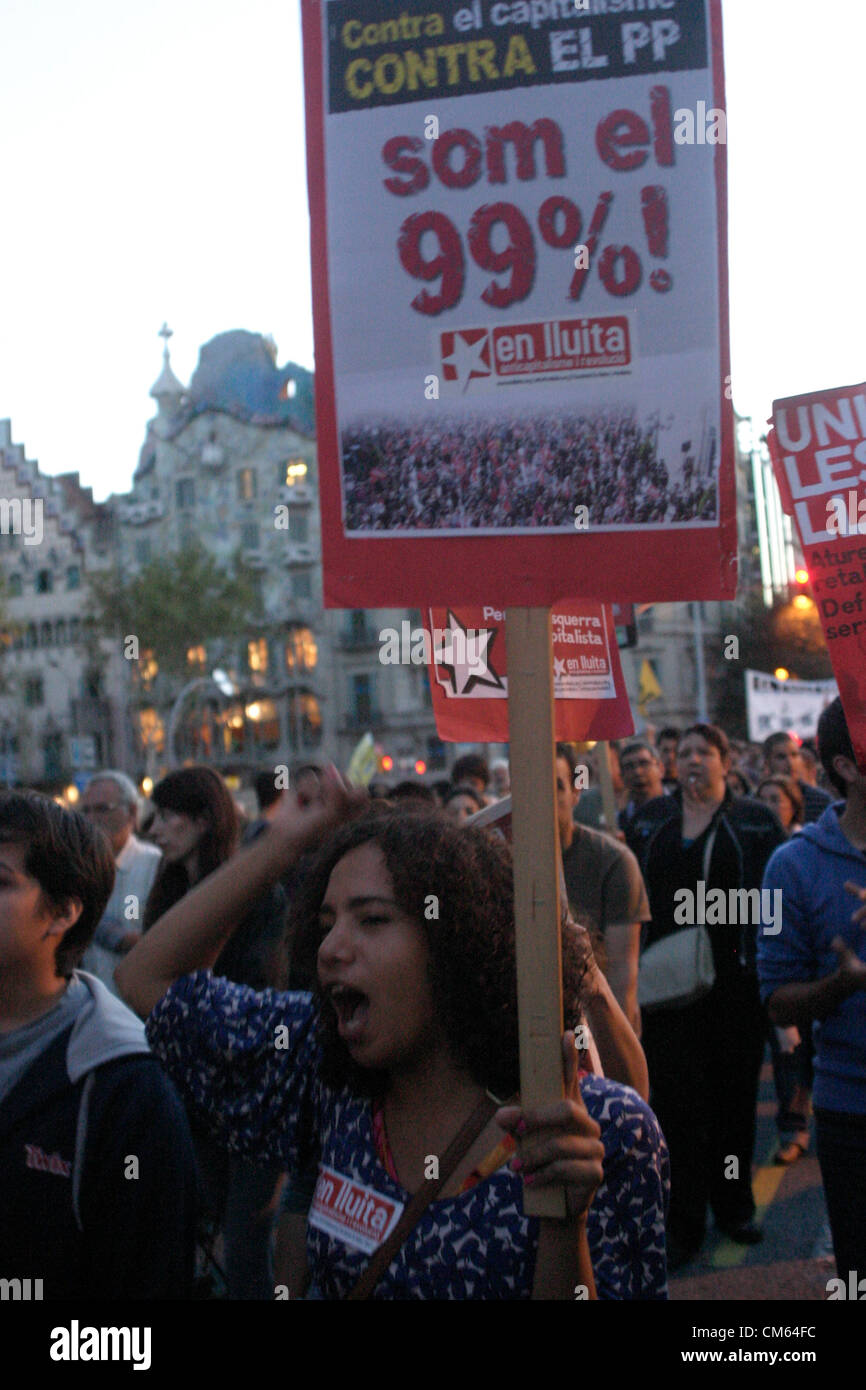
(813, 973)
(97, 1177)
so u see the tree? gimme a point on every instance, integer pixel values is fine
(767, 639)
(174, 603)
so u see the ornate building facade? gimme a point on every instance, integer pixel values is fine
(229, 463)
(60, 709)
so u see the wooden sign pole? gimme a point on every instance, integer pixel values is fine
(608, 799)
(536, 877)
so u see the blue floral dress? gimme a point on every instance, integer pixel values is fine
(247, 1063)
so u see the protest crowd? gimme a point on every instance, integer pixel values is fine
(528, 472)
(304, 1046)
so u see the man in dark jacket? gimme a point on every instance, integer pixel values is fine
(704, 1059)
(97, 1178)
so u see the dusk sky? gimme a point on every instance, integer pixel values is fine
(154, 169)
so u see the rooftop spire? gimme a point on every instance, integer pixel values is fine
(166, 385)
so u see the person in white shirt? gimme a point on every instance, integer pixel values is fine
(110, 800)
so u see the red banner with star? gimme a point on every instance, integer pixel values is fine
(469, 674)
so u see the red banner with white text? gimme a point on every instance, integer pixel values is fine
(818, 447)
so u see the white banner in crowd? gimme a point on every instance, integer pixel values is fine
(775, 706)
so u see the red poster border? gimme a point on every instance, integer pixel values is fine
(506, 570)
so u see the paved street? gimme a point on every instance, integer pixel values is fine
(795, 1259)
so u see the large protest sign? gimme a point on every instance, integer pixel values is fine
(818, 447)
(520, 298)
(790, 707)
(468, 670)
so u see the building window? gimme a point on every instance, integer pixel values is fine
(250, 536)
(302, 584)
(73, 577)
(294, 471)
(419, 687)
(196, 657)
(246, 485)
(302, 651)
(151, 730)
(305, 720)
(142, 552)
(362, 699)
(435, 754)
(44, 582)
(92, 685)
(263, 716)
(34, 691)
(299, 526)
(148, 669)
(52, 754)
(257, 655)
(31, 638)
(60, 633)
(74, 630)
(46, 635)
(15, 586)
(184, 490)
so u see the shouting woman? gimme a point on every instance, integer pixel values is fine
(391, 1071)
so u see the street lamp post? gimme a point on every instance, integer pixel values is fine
(700, 668)
(219, 681)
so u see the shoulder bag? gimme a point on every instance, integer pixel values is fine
(679, 969)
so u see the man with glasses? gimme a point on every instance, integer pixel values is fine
(111, 802)
(642, 775)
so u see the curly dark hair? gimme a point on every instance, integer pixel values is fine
(473, 973)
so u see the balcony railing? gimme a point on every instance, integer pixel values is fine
(356, 722)
(358, 639)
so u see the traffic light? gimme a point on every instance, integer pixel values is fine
(386, 762)
(802, 599)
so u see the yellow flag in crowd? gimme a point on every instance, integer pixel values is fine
(648, 688)
(363, 762)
